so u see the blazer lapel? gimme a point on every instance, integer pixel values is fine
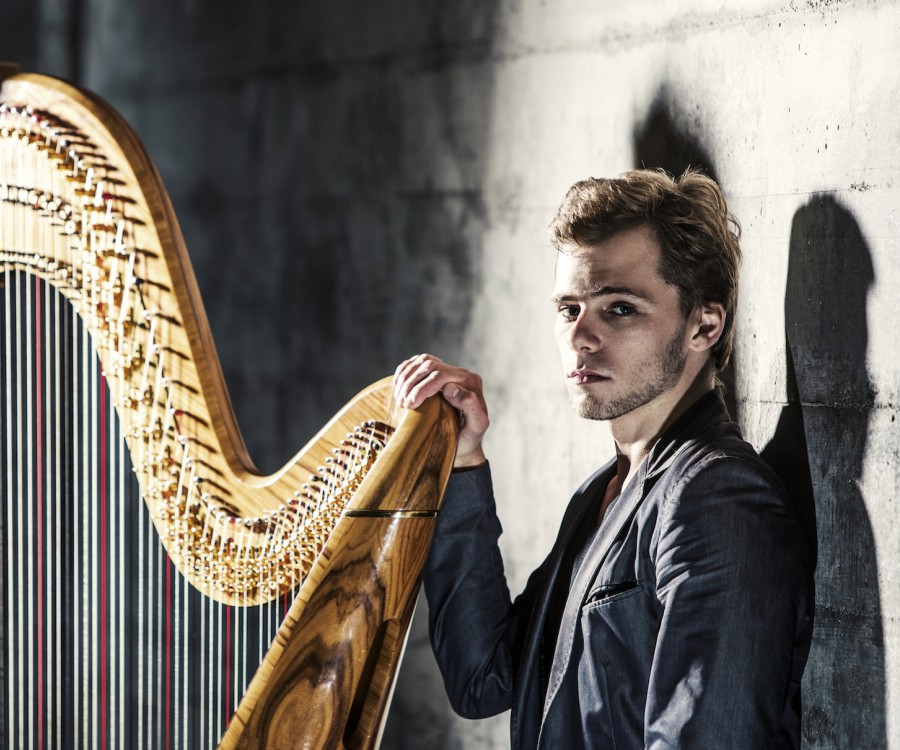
(618, 516)
(527, 704)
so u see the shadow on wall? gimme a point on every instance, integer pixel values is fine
(818, 449)
(666, 139)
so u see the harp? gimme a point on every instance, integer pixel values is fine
(157, 592)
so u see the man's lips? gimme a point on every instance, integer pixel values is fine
(584, 376)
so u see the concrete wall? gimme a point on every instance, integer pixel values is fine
(361, 181)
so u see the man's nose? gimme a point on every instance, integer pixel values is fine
(583, 334)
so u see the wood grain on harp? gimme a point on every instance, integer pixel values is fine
(335, 540)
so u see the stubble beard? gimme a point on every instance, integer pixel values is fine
(666, 375)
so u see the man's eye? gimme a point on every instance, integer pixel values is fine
(622, 309)
(569, 312)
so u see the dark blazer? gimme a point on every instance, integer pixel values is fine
(684, 621)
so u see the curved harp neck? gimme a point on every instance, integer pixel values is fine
(84, 210)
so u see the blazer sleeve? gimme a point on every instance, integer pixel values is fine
(476, 631)
(734, 588)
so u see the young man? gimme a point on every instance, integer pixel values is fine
(674, 610)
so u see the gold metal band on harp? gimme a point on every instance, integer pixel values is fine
(362, 513)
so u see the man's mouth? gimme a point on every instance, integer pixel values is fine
(584, 376)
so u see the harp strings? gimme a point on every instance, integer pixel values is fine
(106, 645)
(99, 632)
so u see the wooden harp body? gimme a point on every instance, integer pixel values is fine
(312, 571)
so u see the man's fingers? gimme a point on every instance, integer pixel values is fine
(408, 366)
(471, 406)
(458, 396)
(418, 378)
(404, 375)
(427, 383)
(473, 422)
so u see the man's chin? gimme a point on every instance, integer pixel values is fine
(587, 407)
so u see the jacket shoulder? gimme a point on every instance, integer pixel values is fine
(721, 454)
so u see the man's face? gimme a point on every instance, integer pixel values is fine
(619, 326)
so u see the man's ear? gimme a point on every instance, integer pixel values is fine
(709, 323)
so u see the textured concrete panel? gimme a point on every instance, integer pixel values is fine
(326, 168)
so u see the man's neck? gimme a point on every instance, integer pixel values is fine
(636, 433)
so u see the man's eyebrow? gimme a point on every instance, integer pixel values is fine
(605, 290)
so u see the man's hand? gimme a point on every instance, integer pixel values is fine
(425, 375)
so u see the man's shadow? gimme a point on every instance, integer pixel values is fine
(818, 450)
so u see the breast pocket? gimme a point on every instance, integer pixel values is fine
(608, 593)
(619, 636)
(620, 622)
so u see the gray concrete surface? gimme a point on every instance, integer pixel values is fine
(360, 181)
